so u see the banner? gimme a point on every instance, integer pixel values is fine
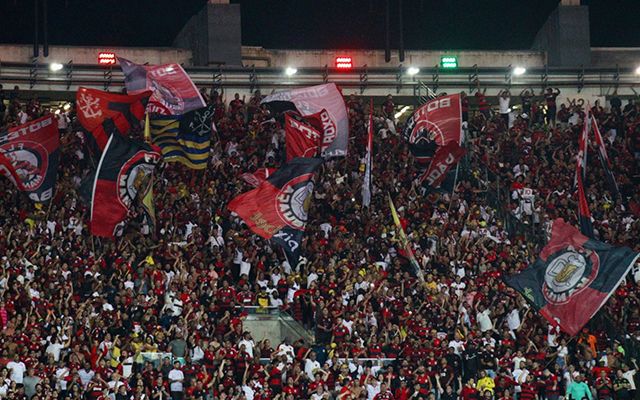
(327, 102)
(184, 138)
(604, 159)
(125, 170)
(573, 277)
(446, 157)
(256, 178)
(437, 123)
(404, 242)
(366, 184)
(302, 140)
(29, 156)
(100, 113)
(281, 201)
(173, 91)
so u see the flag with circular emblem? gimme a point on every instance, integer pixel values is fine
(573, 277)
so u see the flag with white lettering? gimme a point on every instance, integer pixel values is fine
(446, 157)
(29, 156)
(327, 103)
(302, 139)
(173, 91)
(437, 123)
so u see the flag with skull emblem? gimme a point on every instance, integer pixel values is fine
(278, 207)
(573, 277)
(184, 138)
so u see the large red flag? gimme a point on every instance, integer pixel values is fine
(302, 140)
(327, 101)
(29, 157)
(100, 112)
(438, 120)
(446, 157)
(282, 201)
(125, 170)
(573, 277)
(173, 91)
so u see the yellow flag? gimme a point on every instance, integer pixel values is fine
(404, 241)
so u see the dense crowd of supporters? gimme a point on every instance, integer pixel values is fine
(81, 318)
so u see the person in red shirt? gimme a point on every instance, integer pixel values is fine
(384, 394)
(604, 386)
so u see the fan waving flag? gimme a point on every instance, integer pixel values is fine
(184, 138)
(173, 91)
(101, 112)
(278, 207)
(124, 171)
(604, 159)
(302, 140)
(327, 103)
(573, 277)
(29, 156)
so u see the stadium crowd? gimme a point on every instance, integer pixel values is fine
(82, 318)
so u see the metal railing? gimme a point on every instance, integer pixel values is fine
(363, 79)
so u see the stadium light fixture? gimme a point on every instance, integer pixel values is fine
(413, 71)
(638, 71)
(290, 71)
(519, 71)
(55, 67)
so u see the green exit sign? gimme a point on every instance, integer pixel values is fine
(449, 62)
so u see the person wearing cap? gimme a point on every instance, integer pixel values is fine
(578, 389)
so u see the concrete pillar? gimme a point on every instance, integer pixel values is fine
(213, 35)
(565, 36)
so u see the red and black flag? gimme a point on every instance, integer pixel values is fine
(604, 159)
(101, 113)
(324, 104)
(573, 277)
(446, 157)
(278, 207)
(125, 170)
(29, 156)
(302, 139)
(437, 123)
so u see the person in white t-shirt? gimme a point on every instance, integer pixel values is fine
(17, 370)
(311, 365)
(176, 379)
(504, 99)
(248, 343)
(484, 319)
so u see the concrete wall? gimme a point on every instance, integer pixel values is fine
(193, 38)
(89, 55)
(608, 57)
(375, 58)
(275, 328)
(565, 37)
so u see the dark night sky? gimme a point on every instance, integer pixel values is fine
(442, 24)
